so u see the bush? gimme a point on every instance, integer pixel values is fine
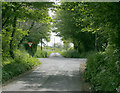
(70, 54)
(86, 54)
(74, 54)
(14, 67)
(102, 70)
(41, 54)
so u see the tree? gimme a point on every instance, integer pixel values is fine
(69, 24)
(16, 16)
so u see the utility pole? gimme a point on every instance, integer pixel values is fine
(54, 43)
(47, 45)
(41, 44)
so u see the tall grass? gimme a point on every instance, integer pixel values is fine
(20, 64)
(102, 71)
(41, 54)
(74, 54)
(70, 54)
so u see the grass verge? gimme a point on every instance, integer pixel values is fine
(20, 64)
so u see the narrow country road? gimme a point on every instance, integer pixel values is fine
(54, 74)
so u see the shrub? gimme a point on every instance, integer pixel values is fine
(41, 54)
(86, 54)
(74, 54)
(70, 54)
(102, 70)
(14, 67)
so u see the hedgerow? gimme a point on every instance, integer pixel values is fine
(41, 54)
(103, 70)
(70, 54)
(20, 64)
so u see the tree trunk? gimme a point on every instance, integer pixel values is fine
(13, 33)
(119, 28)
(96, 41)
(14, 29)
(75, 45)
(5, 22)
(79, 50)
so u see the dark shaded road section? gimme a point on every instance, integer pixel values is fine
(56, 73)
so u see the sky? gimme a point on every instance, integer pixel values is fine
(53, 37)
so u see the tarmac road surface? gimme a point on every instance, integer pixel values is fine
(56, 73)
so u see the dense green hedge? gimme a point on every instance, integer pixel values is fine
(74, 54)
(41, 54)
(70, 54)
(14, 67)
(103, 70)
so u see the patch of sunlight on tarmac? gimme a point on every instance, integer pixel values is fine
(55, 55)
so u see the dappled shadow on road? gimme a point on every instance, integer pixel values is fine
(60, 81)
(54, 74)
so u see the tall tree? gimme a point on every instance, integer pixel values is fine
(16, 16)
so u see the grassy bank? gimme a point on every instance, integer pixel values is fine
(74, 54)
(103, 71)
(20, 64)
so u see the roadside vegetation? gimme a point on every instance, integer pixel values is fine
(102, 70)
(47, 50)
(72, 53)
(93, 28)
(22, 22)
(20, 64)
